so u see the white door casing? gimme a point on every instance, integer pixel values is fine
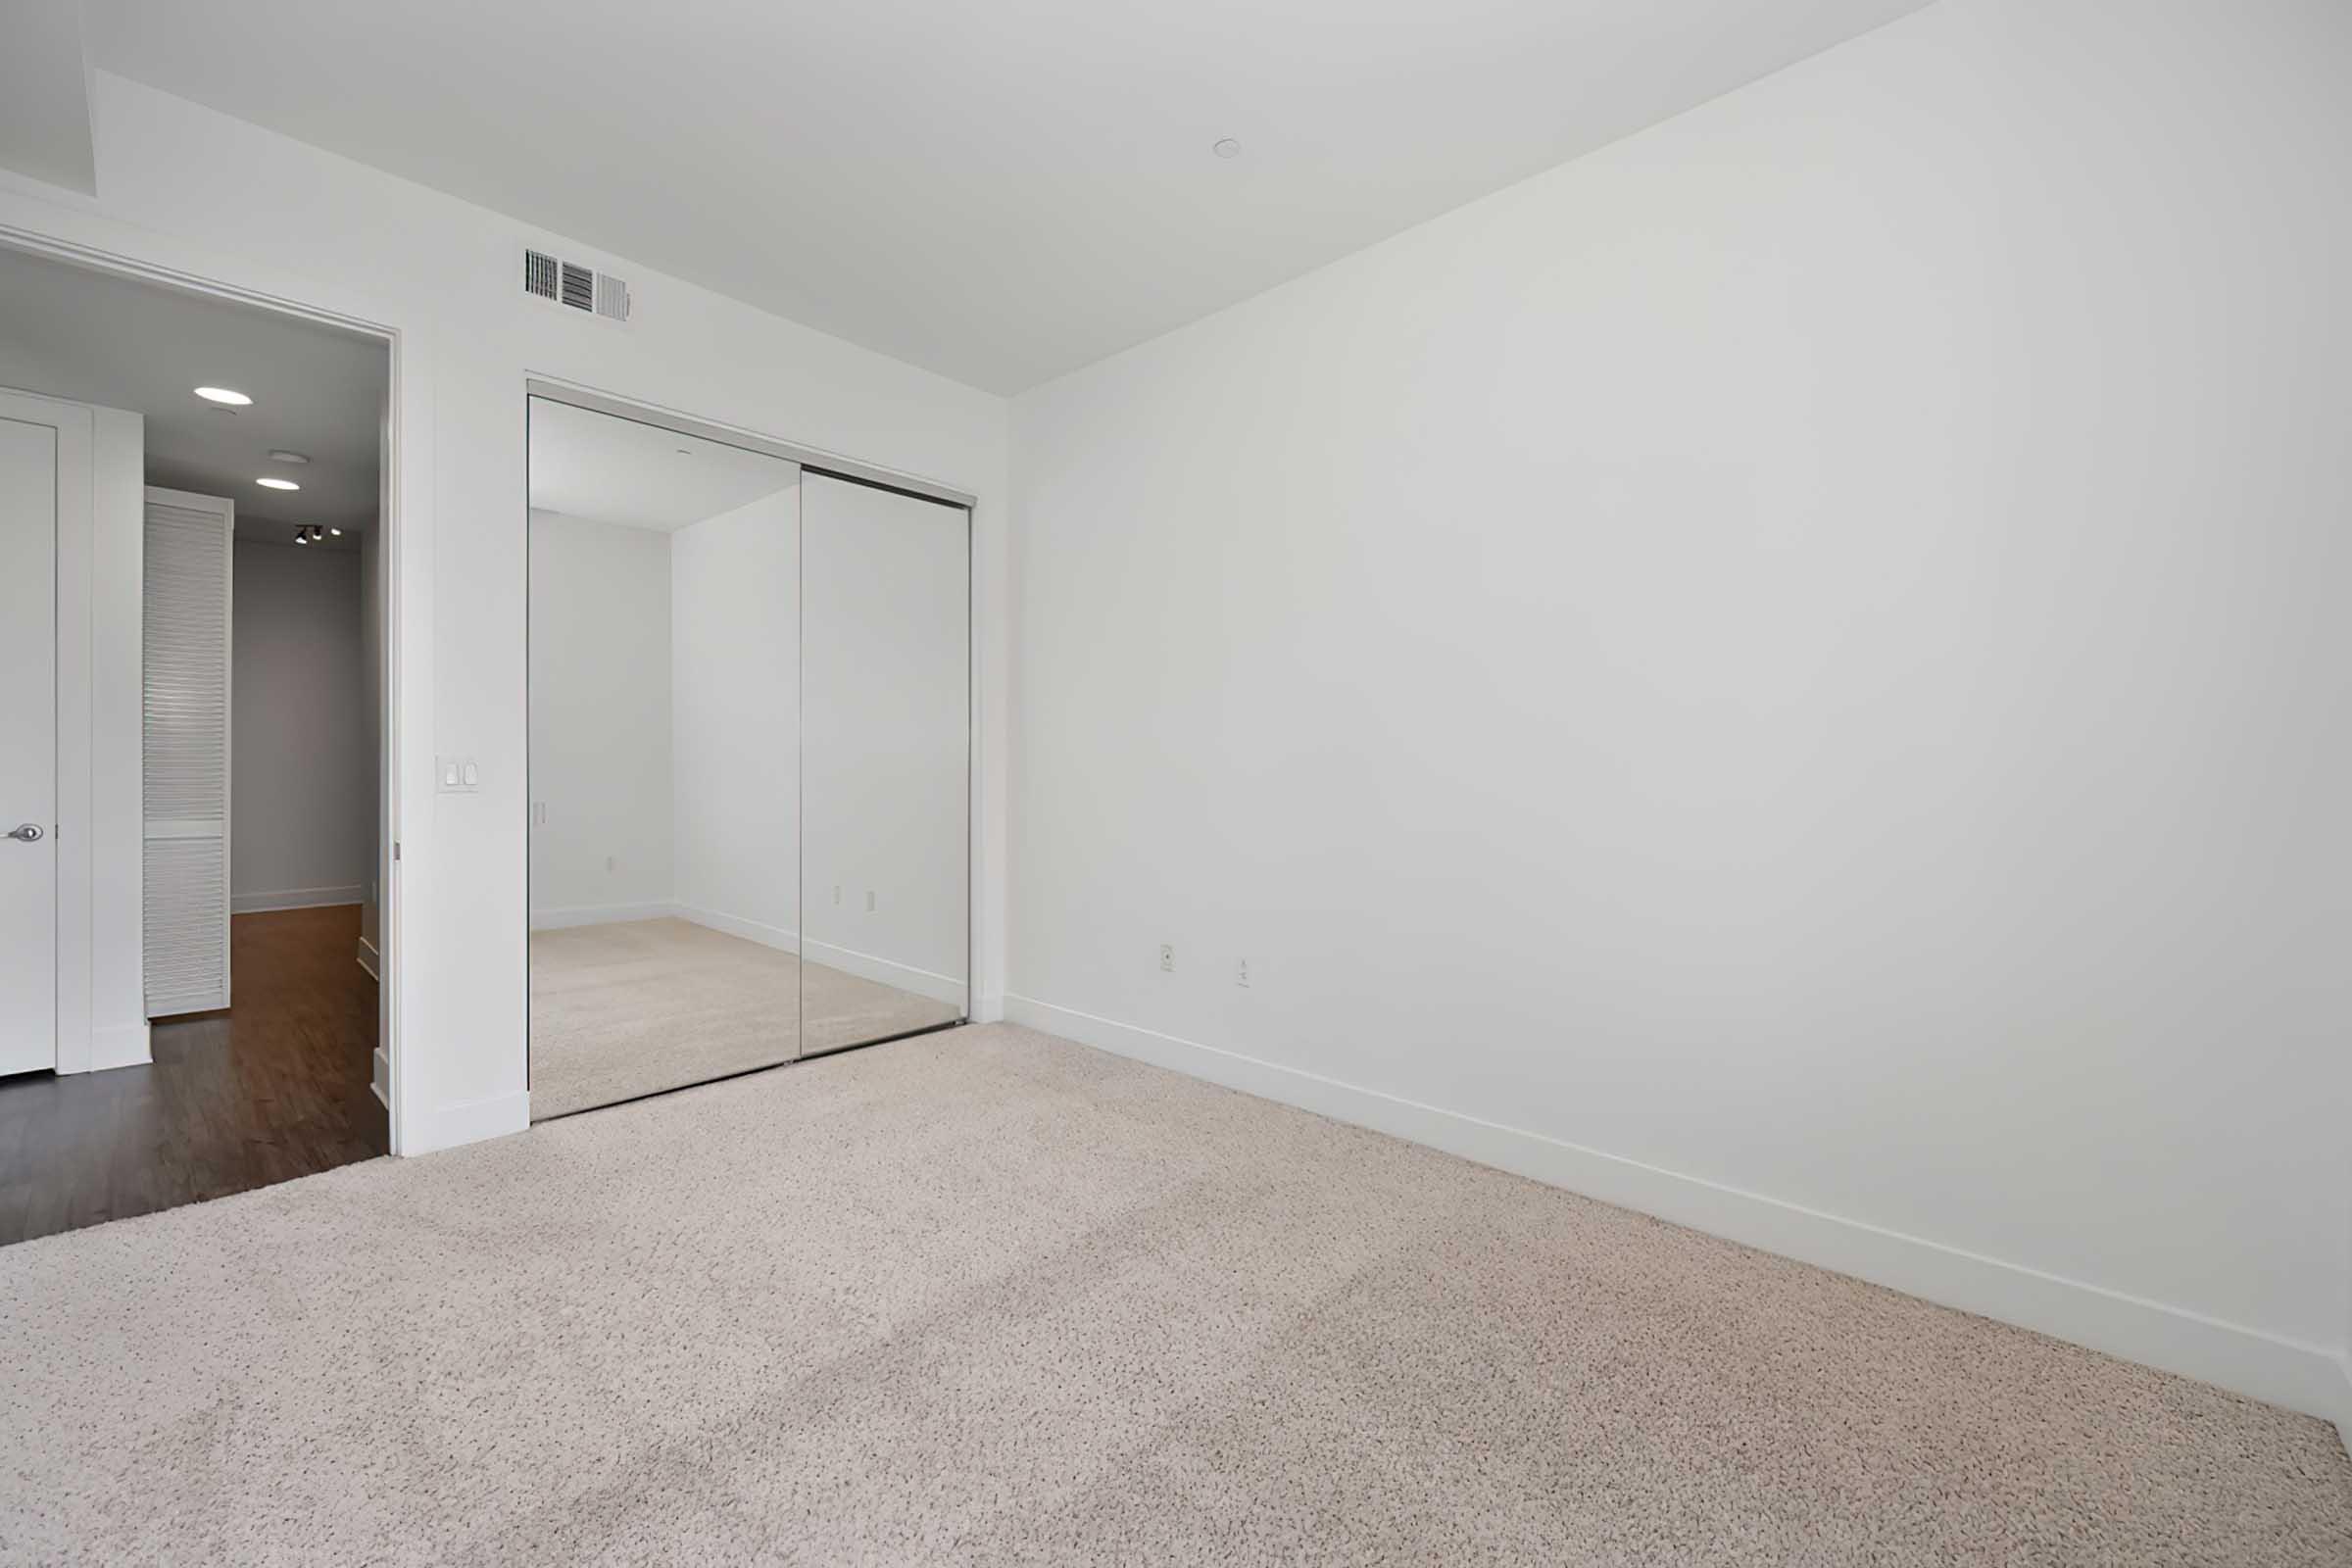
(29, 515)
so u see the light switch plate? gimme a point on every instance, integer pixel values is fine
(457, 775)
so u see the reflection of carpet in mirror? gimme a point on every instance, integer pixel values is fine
(627, 1008)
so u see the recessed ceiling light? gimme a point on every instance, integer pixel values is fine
(281, 454)
(272, 483)
(1227, 147)
(221, 394)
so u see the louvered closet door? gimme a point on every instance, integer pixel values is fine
(187, 679)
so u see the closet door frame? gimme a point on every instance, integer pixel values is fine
(833, 465)
(814, 458)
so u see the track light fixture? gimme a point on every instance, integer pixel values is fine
(310, 533)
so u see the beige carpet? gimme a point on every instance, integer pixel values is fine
(627, 1008)
(986, 1296)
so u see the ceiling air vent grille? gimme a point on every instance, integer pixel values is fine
(583, 288)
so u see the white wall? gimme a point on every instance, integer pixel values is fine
(883, 741)
(301, 793)
(1790, 672)
(735, 718)
(600, 725)
(184, 188)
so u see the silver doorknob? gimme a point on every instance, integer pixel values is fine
(29, 833)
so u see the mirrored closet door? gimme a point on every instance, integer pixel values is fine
(750, 760)
(664, 763)
(886, 727)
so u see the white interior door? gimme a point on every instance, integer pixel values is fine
(29, 497)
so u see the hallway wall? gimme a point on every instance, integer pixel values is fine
(301, 787)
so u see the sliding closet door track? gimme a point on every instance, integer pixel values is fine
(773, 1066)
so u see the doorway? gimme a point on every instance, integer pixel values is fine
(207, 753)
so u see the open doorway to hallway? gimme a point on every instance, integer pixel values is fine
(203, 740)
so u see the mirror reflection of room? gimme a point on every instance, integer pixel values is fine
(663, 759)
(670, 681)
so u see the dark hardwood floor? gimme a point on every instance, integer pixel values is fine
(273, 1089)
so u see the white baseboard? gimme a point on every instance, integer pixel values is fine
(469, 1122)
(989, 1010)
(295, 898)
(886, 971)
(2343, 1418)
(380, 1085)
(767, 936)
(598, 914)
(122, 1044)
(2308, 1378)
(370, 960)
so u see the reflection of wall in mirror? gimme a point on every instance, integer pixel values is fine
(667, 730)
(887, 730)
(734, 584)
(600, 727)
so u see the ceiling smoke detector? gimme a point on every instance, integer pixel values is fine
(1226, 147)
(280, 455)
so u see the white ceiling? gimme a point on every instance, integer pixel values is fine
(608, 470)
(1001, 191)
(93, 337)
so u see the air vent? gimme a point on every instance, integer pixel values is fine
(583, 288)
(611, 297)
(539, 274)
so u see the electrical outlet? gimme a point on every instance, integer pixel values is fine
(1241, 972)
(869, 901)
(612, 863)
(1167, 956)
(837, 895)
